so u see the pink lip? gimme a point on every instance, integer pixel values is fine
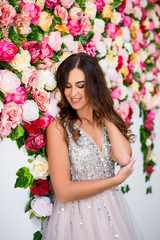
(75, 100)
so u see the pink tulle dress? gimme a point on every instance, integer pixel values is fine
(105, 216)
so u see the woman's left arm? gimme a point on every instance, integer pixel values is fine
(121, 150)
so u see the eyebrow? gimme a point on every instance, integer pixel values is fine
(76, 82)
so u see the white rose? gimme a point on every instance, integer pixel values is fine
(21, 60)
(68, 40)
(116, 18)
(52, 109)
(149, 76)
(128, 47)
(101, 48)
(153, 156)
(111, 73)
(137, 13)
(119, 79)
(143, 3)
(1, 106)
(112, 61)
(134, 86)
(148, 142)
(44, 79)
(156, 101)
(99, 25)
(30, 111)
(103, 65)
(149, 86)
(124, 92)
(143, 55)
(119, 42)
(156, 21)
(146, 23)
(126, 34)
(39, 168)
(108, 42)
(90, 10)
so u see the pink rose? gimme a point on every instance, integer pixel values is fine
(111, 30)
(62, 13)
(30, 111)
(155, 71)
(18, 97)
(5, 129)
(151, 49)
(7, 51)
(152, 136)
(76, 13)
(157, 38)
(86, 25)
(68, 40)
(37, 50)
(142, 65)
(32, 10)
(78, 47)
(151, 115)
(116, 93)
(75, 28)
(100, 4)
(90, 48)
(150, 169)
(67, 3)
(42, 99)
(148, 125)
(44, 121)
(42, 206)
(151, 26)
(128, 7)
(28, 77)
(51, 3)
(7, 14)
(136, 46)
(96, 37)
(35, 142)
(55, 40)
(12, 113)
(136, 3)
(8, 81)
(127, 21)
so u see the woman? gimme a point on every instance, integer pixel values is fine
(82, 147)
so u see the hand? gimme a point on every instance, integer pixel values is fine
(126, 171)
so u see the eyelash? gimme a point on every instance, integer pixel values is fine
(80, 86)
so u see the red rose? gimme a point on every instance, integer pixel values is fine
(33, 127)
(42, 187)
(120, 63)
(35, 141)
(150, 169)
(148, 125)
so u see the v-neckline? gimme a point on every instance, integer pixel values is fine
(101, 151)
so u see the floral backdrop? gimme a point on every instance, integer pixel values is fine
(36, 36)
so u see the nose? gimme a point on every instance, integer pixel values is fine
(73, 91)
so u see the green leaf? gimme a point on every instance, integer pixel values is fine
(142, 106)
(149, 190)
(57, 20)
(89, 36)
(150, 66)
(51, 29)
(81, 2)
(24, 179)
(104, 34)
(150, 6)
(136, 75)
(37, 235)
(21, 141)
(4, 65)
(82, 39)
(147, 178)
(115, 3)
(31, 153)
(55, 58)
(158, 46)
(28, 206)
(16, 133)
(19, 75)
(63, 46)
(13, 2)
(37, 34)
(29, 96)
(1, 33)
(15, 37)
(31, 215)
(30, 160)
(2, 98)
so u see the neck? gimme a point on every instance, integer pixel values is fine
(86, 114)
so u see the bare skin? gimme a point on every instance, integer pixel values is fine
(57, 150)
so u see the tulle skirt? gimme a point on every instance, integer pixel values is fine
(105, 216)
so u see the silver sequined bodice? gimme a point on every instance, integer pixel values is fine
(87, 162)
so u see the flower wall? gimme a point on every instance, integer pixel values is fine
(36, 36)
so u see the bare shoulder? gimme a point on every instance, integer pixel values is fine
(55, 129)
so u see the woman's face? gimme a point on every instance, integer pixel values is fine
(75, 89)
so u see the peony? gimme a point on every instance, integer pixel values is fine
(77, 47)
(8, 81)
(5, 129)
(74, 27)
(30, 111)
(151, 115)
(39, 168)
(42, 206)
(68, 40)
(62, 13)
(35, 142)
(44, 79)
(12, 113)
(7, 13)
(18, 97)
(51, 3)
(86, 25)
(45, 21)
(21, 61)
(116, 93)
(90, 48)
(100, 4)
(148, 125)
(99, 25)
(44, 121)
(127, 21)
(55, 40)
(76, 13)
(67, 3)
(28, 77)
(42, 99)
(111, 30)
(7, 51)
(97, 37)
(32, 10)
(53, 110)
(90, 10)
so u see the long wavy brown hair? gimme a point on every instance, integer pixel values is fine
(96, 92)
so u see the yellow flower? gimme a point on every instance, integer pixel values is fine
(116, 18)
(40, 3)
(133, 58)
(62, 28)
(107, 11)
(45, 21)
(21, 60)
(124, 70)
(133, 30)
(90, 10)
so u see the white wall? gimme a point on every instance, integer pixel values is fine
(15, 224)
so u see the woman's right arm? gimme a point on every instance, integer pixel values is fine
(59, 168)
